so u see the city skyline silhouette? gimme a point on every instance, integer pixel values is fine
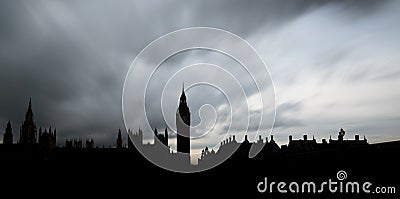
(43, 142)
(199, 99)
(300, 158)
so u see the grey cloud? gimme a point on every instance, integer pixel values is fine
(287, 115)
(71, 57)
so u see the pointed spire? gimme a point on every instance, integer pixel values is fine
(183, 96)
(29, 112)
(8, 137)
(119, 134)
(8, 128)
(30, 103)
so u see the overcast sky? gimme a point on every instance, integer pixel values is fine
(334, 63)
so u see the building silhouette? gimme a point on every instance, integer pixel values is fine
(304, 157)
(305, 144)
(89, 143)
(28, 129)
(299, 157)
(161, 139)
(135, 139)
(159, 150)
(119, 139)
(8, 136)
(78, 143)
(183, 127)
(341, 142)
(47, 138)
(236, 151)
(68, 144)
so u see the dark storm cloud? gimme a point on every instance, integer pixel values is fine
(71, 57)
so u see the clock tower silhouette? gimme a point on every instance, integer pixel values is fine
(183, 126)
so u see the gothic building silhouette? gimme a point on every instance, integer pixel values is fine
(160, 147)
(161, 139)
(8, 136)
(28, 129)
(46, 140)
(119, 139)
(89, 143)
(183, 127)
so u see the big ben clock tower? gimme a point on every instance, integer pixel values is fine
(183, 126)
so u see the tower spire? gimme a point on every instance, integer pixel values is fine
(119, 139)
(183, 128)
(8, 136)
(28, 129)
(29, 112)
(183, 96)
(30, 104)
